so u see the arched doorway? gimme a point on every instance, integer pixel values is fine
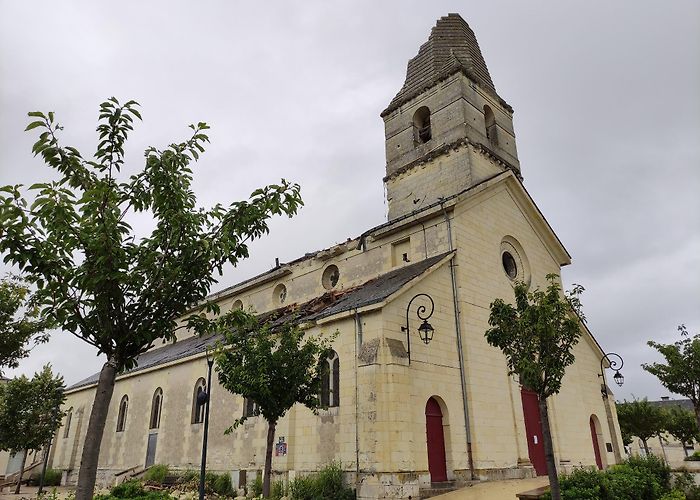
(533, 429)
(596, 441)
(435, 438)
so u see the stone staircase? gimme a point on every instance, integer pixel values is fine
(437, 489)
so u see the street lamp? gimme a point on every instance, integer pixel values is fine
(203, 398)
(615, 362)
(425, 330)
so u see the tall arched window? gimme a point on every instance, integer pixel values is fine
(121, 417)
(69, 417)
(330, 380)
(421, 125)
(198, 406)
(490, 124)
(155, 408)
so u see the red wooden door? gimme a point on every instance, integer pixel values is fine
(533, 429)
(436, 442)
(596, 445)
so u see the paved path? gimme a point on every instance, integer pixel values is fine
(29, 492)
(494, 490)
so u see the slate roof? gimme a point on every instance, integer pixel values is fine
(451, 47)
(328, 304)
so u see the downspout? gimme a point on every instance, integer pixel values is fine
(458, 330)
(358, 342)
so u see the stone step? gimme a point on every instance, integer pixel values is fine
(436, 489)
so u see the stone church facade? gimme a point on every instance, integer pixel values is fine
(461, 229)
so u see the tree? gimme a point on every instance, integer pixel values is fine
(21, 325)
(641, 419)
(537, 336)
(681, 372)
(30, 413)
(100, 282)
(275, 368)
(680, 423)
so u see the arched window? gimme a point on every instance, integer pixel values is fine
(250, 408)
(421, 125)
(330, 380)
(198, 406)
(69, 417)
(155, 408)
(121, 417)
(490, 124)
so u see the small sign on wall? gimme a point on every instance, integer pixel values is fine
(281, 447)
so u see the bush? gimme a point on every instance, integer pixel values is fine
(327, 484)
(133, 489)
(626, 481)
(674, 495)
(52, 477)
(635, 479)
(277, 491)
(156, 473)
(694, 457)
(685, 482)
(256, 487)
(654, 466)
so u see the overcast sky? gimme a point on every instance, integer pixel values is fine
(607, 119)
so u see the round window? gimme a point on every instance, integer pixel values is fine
(509, 265)
(330, 277)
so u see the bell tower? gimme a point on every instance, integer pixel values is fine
(447, 128)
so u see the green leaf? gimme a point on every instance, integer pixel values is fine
(35, 125)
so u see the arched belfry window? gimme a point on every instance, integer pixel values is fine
(123, 409)
(69, 417)
(155, 408)
(490, 124)
(330, 380)
(421, 125)
(198, 405)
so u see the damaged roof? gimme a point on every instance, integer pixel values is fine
(451, 47)
(326, 305)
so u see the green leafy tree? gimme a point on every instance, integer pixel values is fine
(99, 281)
(681, 371)
(30, 413)
(680, 423)
(275, 368)
(21, 325)
(641, 419)
(537, 336)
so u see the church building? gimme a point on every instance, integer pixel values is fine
(415, 394)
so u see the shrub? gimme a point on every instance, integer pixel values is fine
(277, 491)
(654, 466)
(628, 482)
(582, 484)
(52, 477)
(132, 488)
(327, 484)
(256, 487)
(674, 495)
(694, 457)
(685, 482)
(156, 473)
(189, 476)
(303, 488)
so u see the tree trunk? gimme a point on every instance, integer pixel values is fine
(646, 448)
(268, 458)
(549, 451)
(21, 471)
(697, 414)
(93, 436)
(685, 450)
